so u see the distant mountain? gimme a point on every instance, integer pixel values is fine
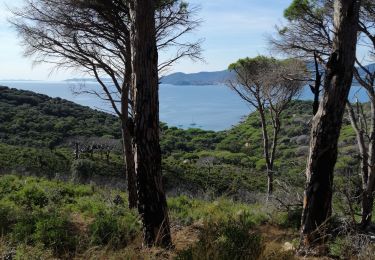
(87, 80)
(200, 78)
(209, 78)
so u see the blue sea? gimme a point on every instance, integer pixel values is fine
(211, 107)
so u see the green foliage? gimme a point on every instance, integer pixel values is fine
(50, 229)
(55, 231)
(38, 252)
(114, 230)
(82, 169)
(174, 139)
(304, 10)
(40, 161)
(7, 212)
(248, 64)
(32, 119)
(290, 218)
(187, 211)
(296, 9)
(237, 154)
(31, 196)
(231, 239)
(36, 213)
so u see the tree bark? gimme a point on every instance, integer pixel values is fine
(316, 88)
(152, 204)
(266, 152)
(276, 130)
(368, 180)
(129, 164)
(358, 129)
(128, 127)
(327, 125)
(367, 199)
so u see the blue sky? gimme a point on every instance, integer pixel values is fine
(232, 29)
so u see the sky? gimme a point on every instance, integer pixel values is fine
(231, 29)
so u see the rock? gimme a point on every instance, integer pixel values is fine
(288, 247)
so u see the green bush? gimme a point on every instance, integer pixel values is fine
(232, 239)
(7, 216)
(261, 164)
(82, 170)
(291, 219)
(54, 231)
(37, 252)
(115, 230)
(32, 196)
(24, 228)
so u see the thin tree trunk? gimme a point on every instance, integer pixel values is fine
(276, 130)
(366, 196)
(369, 180)
(76, 151)
(152, 204)
(128, 128)
(327, 123)
(129, 163)
(358, 129)
(316, 88)
(266, 152)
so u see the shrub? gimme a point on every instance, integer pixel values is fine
(32, 196)
(7, 216)
(113, 230)
(52, 230)
(230, 239)
(55, 232)
(261, 164)
(291, 219)
(24, 229)
(8, 184)
(32, 252)
(82, 170)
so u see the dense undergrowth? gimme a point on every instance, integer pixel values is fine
(43, 219)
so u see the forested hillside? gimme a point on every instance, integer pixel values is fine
(200, 164)
(36, 120)
(194, 160)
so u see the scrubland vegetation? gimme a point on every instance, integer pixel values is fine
(221, 175)
(44, 219)
(243, 193)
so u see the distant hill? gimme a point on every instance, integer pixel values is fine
(208, 78)
(31, 119)
(200, 78)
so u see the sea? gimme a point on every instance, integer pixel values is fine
(209, 107)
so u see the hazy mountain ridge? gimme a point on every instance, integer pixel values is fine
(210, 78)
(200, 78)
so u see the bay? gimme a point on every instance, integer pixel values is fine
(209, 107)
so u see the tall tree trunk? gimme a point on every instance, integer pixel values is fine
(358, 129)
(316, 88)
(129, 163)
(266, 152)
(152, 204)
(369, 180)
(276, 130)
(327, 125)
(363, 153)
(128, 127)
